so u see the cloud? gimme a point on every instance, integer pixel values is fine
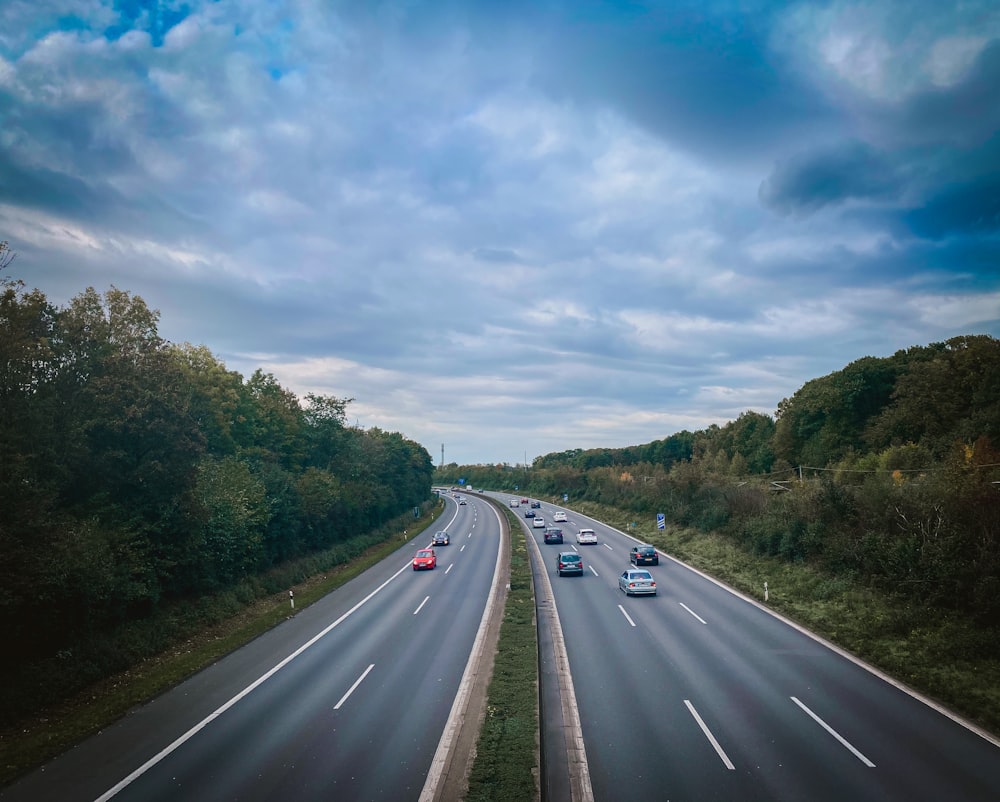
(850, 172)
(514, 227)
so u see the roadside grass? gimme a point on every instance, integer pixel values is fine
(204, 635)
(506, 763)
(935, 652)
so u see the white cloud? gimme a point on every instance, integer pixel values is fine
(406, 204)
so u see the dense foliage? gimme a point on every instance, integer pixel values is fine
(887, 470)
(134, 471)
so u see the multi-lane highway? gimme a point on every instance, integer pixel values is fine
(695, 694)
(700, 694)
(347, 700)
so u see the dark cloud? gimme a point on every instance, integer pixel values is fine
(970, 209)
(965, 114)
(808, 182)
(703, 77)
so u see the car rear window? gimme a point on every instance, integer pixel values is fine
(570, 558)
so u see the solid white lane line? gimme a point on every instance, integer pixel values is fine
(708, 734)
(835, 734)
(248, 689)
(351, 690)
(627, 616)
(682, 604)
(593, 571)
(420, 606)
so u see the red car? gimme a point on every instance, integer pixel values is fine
(425, 559)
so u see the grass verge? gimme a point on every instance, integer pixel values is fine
(506, 763)
(935, 652)
(31, 742)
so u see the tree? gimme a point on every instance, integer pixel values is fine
(7, 256)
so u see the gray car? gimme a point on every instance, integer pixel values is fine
(637, 582)
(569, 562)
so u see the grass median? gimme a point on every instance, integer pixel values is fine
(506, 764)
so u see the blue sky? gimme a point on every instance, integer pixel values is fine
(514, 228)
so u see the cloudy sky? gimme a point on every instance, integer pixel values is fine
(512, 228)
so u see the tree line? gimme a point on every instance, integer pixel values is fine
(887, 470)
(135, 471)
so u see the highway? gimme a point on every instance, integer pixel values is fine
(346, 700)
(701, 694)
(697, 693)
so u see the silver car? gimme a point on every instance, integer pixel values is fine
(636, 582)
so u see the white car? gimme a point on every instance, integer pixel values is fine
(586, 537)
(559, 517)
(538, 523)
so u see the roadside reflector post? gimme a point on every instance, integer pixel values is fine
(291, 598)
(765, 591)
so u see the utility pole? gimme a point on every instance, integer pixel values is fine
(442, 455)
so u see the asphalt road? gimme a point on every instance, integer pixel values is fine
(347, 700)
(700, 694)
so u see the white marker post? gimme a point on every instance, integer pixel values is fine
(291, 598)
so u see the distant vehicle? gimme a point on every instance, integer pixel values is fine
(636, 582)
(535, 505)
(461, 502)
(538, 523)
(529, 513)
(426, 560)
(553, 535)
(644, 554)
(559, 517)
(586, 537)
(524, 501)
(569, 562)
(441, 539)
(515, 503)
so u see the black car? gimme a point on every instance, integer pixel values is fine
(644, 554)
(536, 505)
(441, 539)
(569, 562)
(529, 513)
(553, 535)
